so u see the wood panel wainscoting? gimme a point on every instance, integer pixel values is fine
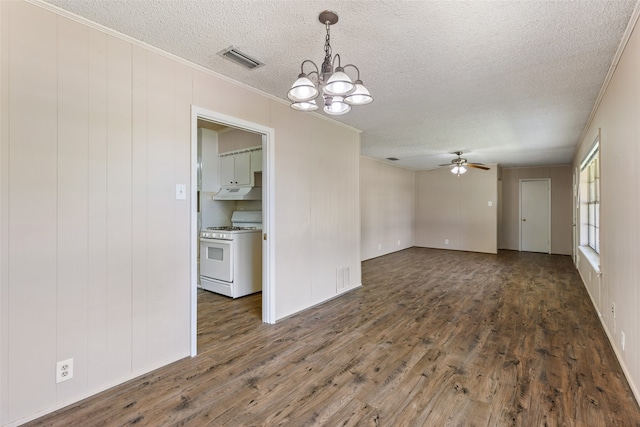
(432, 338)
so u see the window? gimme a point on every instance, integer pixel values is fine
(590, 199)
(593, 204)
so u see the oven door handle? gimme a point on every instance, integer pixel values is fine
(218, 241)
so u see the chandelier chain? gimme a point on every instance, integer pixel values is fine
(327, 43)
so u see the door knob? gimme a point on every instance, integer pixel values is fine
(524, 219)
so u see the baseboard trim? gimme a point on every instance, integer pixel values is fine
(625, 371)
(347, 290)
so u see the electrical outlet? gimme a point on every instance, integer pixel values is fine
(398, 242)
(379, 247)
(446, 241)
(613, 309)
(613, 315)
(622, 340)
(64, 370)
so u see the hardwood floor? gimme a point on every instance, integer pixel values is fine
(432, 338)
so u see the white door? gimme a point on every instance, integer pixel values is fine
(535, 215)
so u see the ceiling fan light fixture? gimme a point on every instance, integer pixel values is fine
(339, 91)
(459, 165)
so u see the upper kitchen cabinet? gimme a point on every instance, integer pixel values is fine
(208, 175)
(256, 160)
(237, 169)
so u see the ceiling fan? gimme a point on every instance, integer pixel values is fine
(459, 165)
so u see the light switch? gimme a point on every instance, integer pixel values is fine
(181, 192)
(490, 203)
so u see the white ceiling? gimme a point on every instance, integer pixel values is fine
(507, 82)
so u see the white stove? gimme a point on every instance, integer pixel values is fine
(231, 256)
(225, 232)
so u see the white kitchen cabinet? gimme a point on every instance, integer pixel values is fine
(256, 161)
(235, 170)
(208, 175)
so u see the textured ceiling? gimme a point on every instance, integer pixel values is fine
(507, 82)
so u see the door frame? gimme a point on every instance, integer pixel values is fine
(574, 224)
(548, 180)
(268, 217)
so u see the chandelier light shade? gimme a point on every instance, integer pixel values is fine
(303, 89)
(337, 107)
(339, 92)
(360, 96)
(339, 84)
(305, 105)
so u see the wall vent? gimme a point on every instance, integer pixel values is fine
(233, 54)
(342, 278)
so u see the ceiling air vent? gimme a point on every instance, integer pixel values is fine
(393, 159)
(233, 54)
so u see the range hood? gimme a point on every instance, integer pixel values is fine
(241, 193)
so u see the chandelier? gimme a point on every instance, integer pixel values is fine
(339, 92)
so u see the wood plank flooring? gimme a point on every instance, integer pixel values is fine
(432, 338)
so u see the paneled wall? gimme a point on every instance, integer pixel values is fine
(561, 214)
(617, 119)
(590, 275)
(454, 213)
(94, 253)
(387, 203)
(317, 196)
(235, 139)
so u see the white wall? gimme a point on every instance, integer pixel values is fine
(617, 117)
(387, 204)
(318, 220)
(456, 209)
(561, 196)
(236, 139)
(94, 253)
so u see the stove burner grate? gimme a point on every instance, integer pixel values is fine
(230, 228)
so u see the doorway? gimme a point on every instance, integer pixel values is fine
(535, 215)
(268, 297)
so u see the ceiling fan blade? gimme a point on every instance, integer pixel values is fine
(447, 164)
(478, 166)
